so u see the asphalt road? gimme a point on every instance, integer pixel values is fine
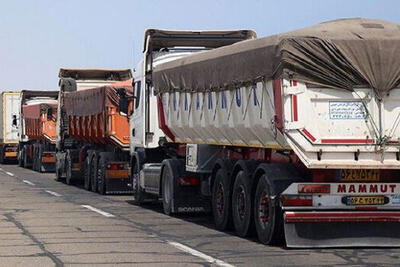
(48, 223)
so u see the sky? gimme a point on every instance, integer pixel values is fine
(38, 37)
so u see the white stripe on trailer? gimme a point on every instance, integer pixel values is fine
(106, 214)
(199, 254)
(28, 182)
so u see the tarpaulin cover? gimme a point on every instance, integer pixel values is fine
(337, 54)
(96, 100)
(34, 111)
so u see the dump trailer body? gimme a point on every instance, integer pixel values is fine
(9, 124)
(92, 136)
(318, 97)
(38, 130)
(93, 115)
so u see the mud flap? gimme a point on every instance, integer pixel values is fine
(342, 234)
(189, 200)
(118, 186)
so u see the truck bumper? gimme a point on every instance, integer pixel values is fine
(342, 229)
(118, 185)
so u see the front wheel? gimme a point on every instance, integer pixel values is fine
(86, 173)
(138, 194)
(267, 214)
(101, 176)
(167, 189)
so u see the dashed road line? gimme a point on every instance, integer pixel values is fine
(10, 173)
(28, 182)
(53, 193)
(200, 254)
(98, 211)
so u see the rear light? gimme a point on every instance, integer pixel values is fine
(296, 200)
(47, 155)
(113, 167)
(314, 188)
(11, 149)
(189, 181)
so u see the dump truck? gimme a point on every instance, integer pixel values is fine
(9, 124)
(92, 137)
(37, 131)
(294, 135)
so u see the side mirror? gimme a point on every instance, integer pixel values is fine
(123, 105)
(49, 114)
(14, 120)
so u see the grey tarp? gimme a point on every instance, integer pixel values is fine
(96, 100)
(339, 54)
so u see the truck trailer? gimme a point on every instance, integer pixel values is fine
(9, 124)
(37, 131)
(92, 136)
(294, 135)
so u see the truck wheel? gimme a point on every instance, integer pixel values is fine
(93, 171)
(221, 202)
(68, 169)
(242, 204)
(167, 189)
(267, 214)
(26, 159)
(2, 151)
(101, 176)
(21, 157)
(138, 194)
(58, 174)
(39, 158)
(86, 173)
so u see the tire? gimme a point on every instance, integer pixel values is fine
(138, 193)
(267, 214)
(21, 157)
(39, 159)
(221, 200)
(2, 155)
(87, 173)
(101, 175)
(26, 160)
(68, 169)
(93, 172)
(167, 189)
(242, 210)
(58, 174)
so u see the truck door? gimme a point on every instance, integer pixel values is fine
(137, 119)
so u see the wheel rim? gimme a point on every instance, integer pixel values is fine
(263, 209)
(241, 202)
(220, 201)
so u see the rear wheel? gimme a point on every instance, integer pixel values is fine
(242, 205)
(26, 159)
(221, 204)
(87, 173)
(267, 214)
(68, 169)
(21, 158)
(101, 175)
(93, 172)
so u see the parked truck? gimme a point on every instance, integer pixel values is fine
(9, 124)
(92, 136)
(294, 135)
(37, 131)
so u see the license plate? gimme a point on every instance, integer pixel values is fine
(364, 200)
(356, 175)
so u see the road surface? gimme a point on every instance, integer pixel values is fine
(48, 223)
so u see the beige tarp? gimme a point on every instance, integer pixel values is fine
(339, 54)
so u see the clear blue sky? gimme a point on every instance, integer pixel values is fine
(37, 37)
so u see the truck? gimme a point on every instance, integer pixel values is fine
(37, 131)
(9, 124)
(293, 136)
(92, 143)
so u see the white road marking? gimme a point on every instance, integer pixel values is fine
(200, 254)
(10, 173)
(28, 182)
(98, 211)
(53, 193)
